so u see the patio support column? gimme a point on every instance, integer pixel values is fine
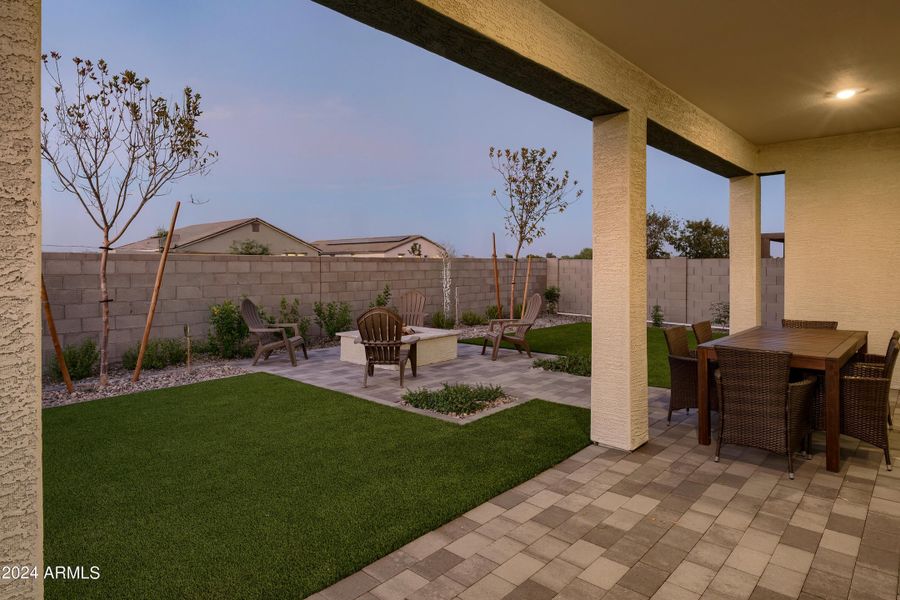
(619, 298)
(744, 251)
(21, 493)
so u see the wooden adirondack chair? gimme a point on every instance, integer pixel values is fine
(412, 308)
(513, 330)
(381, 333)
(271, 337)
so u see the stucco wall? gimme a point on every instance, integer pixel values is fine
(20, 418)
(277, 242)
(842, 217)
(193, 282)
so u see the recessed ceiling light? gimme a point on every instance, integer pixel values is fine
(848, 93)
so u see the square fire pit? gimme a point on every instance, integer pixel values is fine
(434, 346)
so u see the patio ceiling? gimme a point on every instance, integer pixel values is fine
(762, 68)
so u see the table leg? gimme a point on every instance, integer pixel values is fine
(832, 417)
(412, 358)
(703, 436)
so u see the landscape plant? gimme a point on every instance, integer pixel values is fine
(657, 316)
(81, 361)
(250, 248)
(662, 228)
(470, 318)
(227, 331)
(458, 399)
(575, 363)
(492, 312)
(159, 354)
(701, 239)
(441, 320)
(383, 298)
(115, 146)
(551, 295)
(332, 317)
(532, 191)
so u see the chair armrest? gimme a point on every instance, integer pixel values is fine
(265, 329)
(807, 382)
(877, 359)
(862, 369)
(683, 359)
(295, 326)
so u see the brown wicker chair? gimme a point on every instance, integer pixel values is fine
(865, 400)
(270, 338)
(795, 324)
(513, 330)
(876, 362)
(702, 331)
(381, 333)
(683, 370)
(412, 308)
(759, 407)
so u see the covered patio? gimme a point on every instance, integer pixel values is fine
(742, 94)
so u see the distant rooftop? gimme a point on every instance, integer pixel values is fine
(365, 244)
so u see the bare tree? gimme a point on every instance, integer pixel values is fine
(533, 192)
(115, 146)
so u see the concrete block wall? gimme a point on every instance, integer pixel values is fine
(193, 282)
(573, 278)
(773, 291)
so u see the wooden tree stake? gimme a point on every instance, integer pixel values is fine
(496, 275)
(51, 327)
(155, 296)
(525, 294)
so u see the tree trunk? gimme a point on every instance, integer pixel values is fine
(104, 311)
(512, 284)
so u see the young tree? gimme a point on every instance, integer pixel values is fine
(701, 239)
(115, 146)
(661, 230)
(533, 192)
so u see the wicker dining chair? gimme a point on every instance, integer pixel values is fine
(381, 333)
(513, 330)
(412, 308)
(702, 331)
(271, 337)
(876, 362)
(865, 401)
(759, 406)
(797, 324)
(683, 371)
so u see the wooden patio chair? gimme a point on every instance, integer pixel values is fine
(412, 308)
(270, 338)
(702, 331)
(683, 373)
(381, 333)
(513, 330)
(759, 406)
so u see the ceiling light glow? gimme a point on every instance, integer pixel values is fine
(848, 93)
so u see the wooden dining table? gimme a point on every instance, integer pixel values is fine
(822, 350)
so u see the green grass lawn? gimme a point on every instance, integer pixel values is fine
(576, 337)
(258, 486)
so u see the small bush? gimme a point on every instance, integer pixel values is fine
(250, 248)
(227, 331)
(551, 295)
(158, 355)
(720, 313)
(656, 315)
(383, 298)
(461, 399)
(517, 311)
(492, 312)
(81, 361)
(470, 318)
(333, 317)
(578, 363)
(289, 312)
(441, 321)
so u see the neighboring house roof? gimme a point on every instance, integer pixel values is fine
(192, 234)
(365, 245)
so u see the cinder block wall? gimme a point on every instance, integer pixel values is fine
(685, 289)
(193, 282)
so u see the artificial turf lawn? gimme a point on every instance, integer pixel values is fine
(259, 486)
(576, 337)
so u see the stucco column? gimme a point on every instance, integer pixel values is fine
(619, 298)
(744, 250)
(20, 323)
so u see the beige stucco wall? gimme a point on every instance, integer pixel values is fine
(429, 249)
(278, 242)
(21, 526)
(745, 266)
(842, 223)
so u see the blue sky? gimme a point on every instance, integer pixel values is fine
(328, 128)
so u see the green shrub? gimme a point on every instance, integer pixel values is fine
(158, 355)
(383, 298)
(441, 321)
(551, 295)
(656, 315)
(578, 363)
(470, 318)
(333, 317)
(517, 311)
(249, 247)
(492, 312)
(227, 331)
(289, 312)
(460, 399)
(81, 361)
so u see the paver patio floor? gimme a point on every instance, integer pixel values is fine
(664, 521)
